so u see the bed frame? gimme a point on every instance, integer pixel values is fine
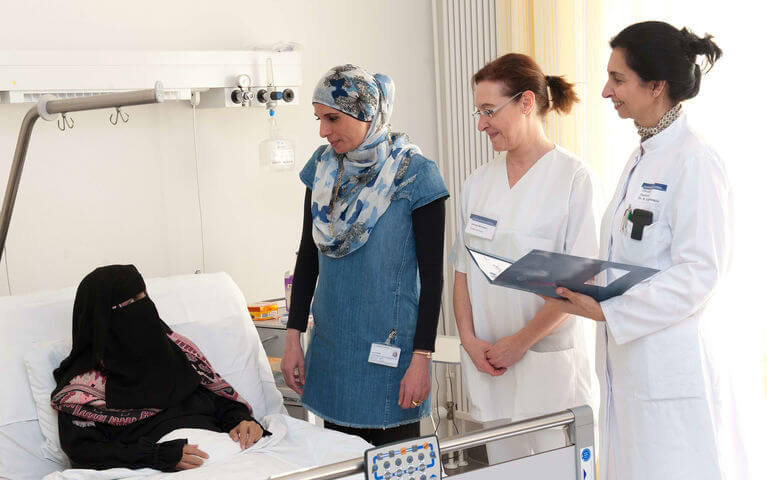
(574, 461)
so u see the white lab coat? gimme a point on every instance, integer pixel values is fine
(552, 207)
(656, 411)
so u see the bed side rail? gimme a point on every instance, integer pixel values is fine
(579, 422)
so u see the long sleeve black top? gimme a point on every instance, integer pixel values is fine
(100, 446)
(429, 232)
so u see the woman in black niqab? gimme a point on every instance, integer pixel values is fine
(128, 343)
(127, 382)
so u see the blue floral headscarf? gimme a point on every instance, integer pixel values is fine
(370, 174)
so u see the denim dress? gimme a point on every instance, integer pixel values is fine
(360, 298)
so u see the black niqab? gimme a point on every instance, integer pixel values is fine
(143, 367)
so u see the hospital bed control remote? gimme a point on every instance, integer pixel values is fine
(414, 459)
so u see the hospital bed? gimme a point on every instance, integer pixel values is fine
(210, 309)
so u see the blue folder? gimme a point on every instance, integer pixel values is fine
(541, 272)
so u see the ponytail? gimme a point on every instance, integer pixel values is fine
(696, 45)
(563, 95)
(517, 72)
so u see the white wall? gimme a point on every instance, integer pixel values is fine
(102, 194)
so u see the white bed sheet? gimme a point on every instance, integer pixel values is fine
(21, 456)
(297, 445)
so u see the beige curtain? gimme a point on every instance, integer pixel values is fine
(565, 37)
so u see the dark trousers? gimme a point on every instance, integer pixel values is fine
(380, 436)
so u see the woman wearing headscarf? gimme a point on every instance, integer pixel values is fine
(374, 219)
(130, 379)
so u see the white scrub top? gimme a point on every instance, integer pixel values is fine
(656, 413)
(552, 207)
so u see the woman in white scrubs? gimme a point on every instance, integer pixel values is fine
(521, 358)
(670, 211)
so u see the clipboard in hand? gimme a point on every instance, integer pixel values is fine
(541, 272)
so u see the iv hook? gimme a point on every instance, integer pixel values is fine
(65, 122)
(115, 118)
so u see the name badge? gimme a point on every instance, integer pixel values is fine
(652, 192)
(383, 354)
(481, 227)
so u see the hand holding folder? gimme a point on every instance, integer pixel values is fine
(541, 272)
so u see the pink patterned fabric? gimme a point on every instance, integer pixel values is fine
(85, 396)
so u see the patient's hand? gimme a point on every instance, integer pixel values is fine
(247, 433)
(191, 457)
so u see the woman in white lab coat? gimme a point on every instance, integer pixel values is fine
(521, 358)
(670, 211)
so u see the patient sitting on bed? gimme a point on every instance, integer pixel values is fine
(130, 380)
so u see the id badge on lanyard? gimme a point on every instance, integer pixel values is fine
(384, 353)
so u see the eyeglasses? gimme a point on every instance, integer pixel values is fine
(493, 111)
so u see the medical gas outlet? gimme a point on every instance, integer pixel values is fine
(270, 98)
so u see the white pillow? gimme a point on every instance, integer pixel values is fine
(25, 319)
(235, 353)
(40, 361)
